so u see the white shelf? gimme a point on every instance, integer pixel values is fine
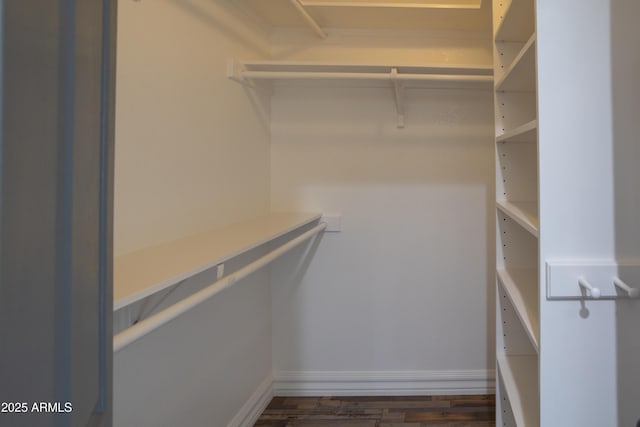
(398, 77)
(520, 378)
(524, 213)
(517, 24)
(521, 287)
(140, 274)
(411, 76)
(527, 132)
(354, 67)
(373, 75)
(518, 314)
(520, 75)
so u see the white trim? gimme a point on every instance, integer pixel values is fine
(253, 408)
(376, 383)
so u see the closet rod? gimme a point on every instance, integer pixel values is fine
(325, 75)
(153, 322)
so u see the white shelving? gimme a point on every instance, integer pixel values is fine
(410, 76)
(140, 274)
(524, 213)
(521, 286)
(519, 374)
(518, 314)
(520, 75)
(515, 23)
(399, 77)
(527, 132)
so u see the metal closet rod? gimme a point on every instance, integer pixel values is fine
(328, 75)
(153, 322)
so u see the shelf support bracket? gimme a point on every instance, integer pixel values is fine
(397, 87)
(308, 19)
(234, 72)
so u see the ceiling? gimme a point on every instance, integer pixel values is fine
(454, 15)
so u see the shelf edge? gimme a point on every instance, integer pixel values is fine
(511, 289)
(518, 131)
(512, 211)
(516, 62)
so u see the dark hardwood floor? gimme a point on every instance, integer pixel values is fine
(385, 411)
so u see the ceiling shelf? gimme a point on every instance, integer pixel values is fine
(413, 4)
(323, 16)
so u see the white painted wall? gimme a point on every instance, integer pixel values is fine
(192, 153)
(201, 368)
(192, 150)
(405, 292)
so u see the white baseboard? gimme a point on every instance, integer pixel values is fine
(253, 408)
(362, 383)
(383, 383)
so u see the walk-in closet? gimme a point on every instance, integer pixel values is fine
(377, 198)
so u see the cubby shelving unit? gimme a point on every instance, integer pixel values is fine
(518, 289)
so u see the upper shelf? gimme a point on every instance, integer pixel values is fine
(517, 24)
(398, 77)
(430, 15)
(142, 273)
(409, 75)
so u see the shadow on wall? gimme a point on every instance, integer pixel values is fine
(300, 258)
(289, 278)
(231, 23)
(625, 76)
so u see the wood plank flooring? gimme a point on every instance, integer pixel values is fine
(385, 411)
